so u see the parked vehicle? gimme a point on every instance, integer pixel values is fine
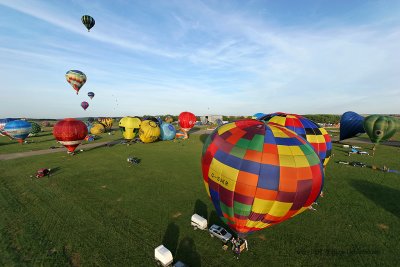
(163, 256)
(220, 233)
(358, 164)
(198, 222)
(343, 162)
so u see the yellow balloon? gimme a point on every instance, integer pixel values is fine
(97, 129)
(107, 122)
(129, 127)
(149, 131)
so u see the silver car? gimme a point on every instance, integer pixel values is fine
(220, 233)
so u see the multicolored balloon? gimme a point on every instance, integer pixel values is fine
(351, 124)
(107, 122)
(84, 105)
(18, 129)
(76, 79)
(167, 131)
(90, 94)
(129, 127)
(149, 131)
(317, 136)
(186, 120)
(70, 133)
(379, 128)
(88, 21)
(258, 175)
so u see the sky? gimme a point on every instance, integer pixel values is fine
(230, 57)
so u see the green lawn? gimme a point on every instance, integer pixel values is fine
(96, 210)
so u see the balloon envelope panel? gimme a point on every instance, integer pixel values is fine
(351, 124)
(258, 175)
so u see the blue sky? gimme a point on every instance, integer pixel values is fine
(208, 57)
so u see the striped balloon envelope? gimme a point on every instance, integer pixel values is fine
(258, 175)
(18, 129)
(316, 135)
(70, 133)
(76, 79)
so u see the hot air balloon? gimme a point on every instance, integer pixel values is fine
(187, 120)
(168, 119)
(258, 175)
(90, 94)
(317, 136)
(88, 21)
(3, 123)
(149, 131)
(17, 129)
(107, 122)
(167, 131)
(76, 78)
(35, 128)
(70, 133)
(88, 125)
(130, 127)
(351, 124)
(84, 105)
(151, 118)
(379, 128)
(97, 129)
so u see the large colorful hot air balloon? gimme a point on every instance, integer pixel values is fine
(84, 105)
(379, 128)
(107, 122)
(90, 94)
(130, 127)
(35, 128)
(149, 131)
(17, 129)
(168, 131)
(317, 136)
(70, 133)
(88, 21)
(258, 175)
(187, 120)
(351, 124)
(76, 79)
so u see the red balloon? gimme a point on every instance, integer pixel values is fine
(187, 120)
(70, 133)
(84, 105)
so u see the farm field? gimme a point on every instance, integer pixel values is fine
(97, 209)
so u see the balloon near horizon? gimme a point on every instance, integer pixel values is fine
(70, 133)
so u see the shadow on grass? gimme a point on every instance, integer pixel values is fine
(200, 208)
(386, 197)
(171, 237)
(214, 219)
(203, 137)
(187, 253)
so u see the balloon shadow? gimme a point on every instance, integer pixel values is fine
(171, 237)
(203, 137)
(386, 197)
(187, 252)
(214, 219)
(200, 208)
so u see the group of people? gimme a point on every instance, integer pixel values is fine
(238, 245)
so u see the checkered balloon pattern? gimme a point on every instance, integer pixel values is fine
(258, 175)
(317, 136)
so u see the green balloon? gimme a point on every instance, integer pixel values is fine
(379, 128)
(35, 128)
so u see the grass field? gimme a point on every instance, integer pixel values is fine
(96, 210)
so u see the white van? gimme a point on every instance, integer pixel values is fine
(198, 222)
(163, 256)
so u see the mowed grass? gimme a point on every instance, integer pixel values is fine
(98, 210)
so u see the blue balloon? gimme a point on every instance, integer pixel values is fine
(351, 124)
(257, 116)
(18, 129)
(167, 131)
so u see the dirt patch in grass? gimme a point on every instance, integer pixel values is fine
(382, 226)
(176, 214)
